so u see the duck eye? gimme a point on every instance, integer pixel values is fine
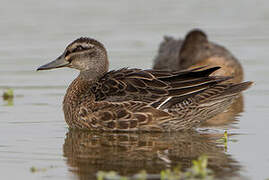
(79, 48)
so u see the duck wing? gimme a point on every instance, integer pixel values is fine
(153, 87)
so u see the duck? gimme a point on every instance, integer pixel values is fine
(132, 99)
(196, 50)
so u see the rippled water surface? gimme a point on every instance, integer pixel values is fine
(33, 131)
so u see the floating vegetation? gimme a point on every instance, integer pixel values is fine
(171, 174)
(8, 94)
(198, 170)
(9, 102)
(101, 175)
(34, 169)
(225, 140)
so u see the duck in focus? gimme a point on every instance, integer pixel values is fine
(196, 50)
(135, 99)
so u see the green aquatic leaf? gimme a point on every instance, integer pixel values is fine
(8, 94)
(101, 175)
(224, 140)
(9, 102)
(34, 169)
(198, 170)
(142, 175)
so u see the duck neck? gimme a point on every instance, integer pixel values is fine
(81, 86)
(92, 74)
(77, 90)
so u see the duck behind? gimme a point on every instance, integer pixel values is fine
(195, 51)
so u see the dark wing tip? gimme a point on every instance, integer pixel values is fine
(244, 85)
(238, 88)
(221, 78)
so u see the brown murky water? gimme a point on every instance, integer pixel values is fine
(33, 131)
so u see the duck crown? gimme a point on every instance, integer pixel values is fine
(84, 43)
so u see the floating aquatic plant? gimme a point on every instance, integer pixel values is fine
(8, 94)
(112, 175)
(9, 102)
(34, 169)
(224, 140)
(198, 170)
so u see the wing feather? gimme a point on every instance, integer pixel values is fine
(153, 86)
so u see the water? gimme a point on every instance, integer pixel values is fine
(33, 130)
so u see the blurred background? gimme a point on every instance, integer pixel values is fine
(32, 127)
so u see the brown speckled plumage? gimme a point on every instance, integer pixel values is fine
(195, 51)
(135, 99)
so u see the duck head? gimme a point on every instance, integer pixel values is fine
(195, 46)
(84, 54)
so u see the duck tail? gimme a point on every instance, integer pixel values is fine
(222, 91)
(193, 111)
(218, 99)
(237, 88)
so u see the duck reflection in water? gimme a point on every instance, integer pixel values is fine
(196, 50)
(128, 153)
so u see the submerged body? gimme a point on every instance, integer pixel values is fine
(195, 51)
(135, 99)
